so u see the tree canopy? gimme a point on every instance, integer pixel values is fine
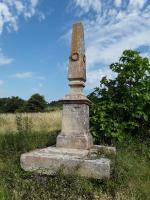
(36, 103)
(122, 105)
(11, 104)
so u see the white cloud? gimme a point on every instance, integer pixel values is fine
(42, 78)
(19, 6)
(22, 75)
(1, 82)
(5, 60)
(119, 25)
(11, 10)
(118, 2)
(146, 55)
(38, 88)
(41, 16)
(6, 17)
(137, 3)
(40, 85)
(98, 52)
(35, 90)
(94, 76)
(34, 2)
(86, 5)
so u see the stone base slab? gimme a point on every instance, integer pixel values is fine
(50, 160)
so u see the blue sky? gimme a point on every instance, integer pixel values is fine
(35, 41)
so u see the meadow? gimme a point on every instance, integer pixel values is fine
(130, 179)
(39, 122)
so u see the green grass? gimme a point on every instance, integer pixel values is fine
(130, 178)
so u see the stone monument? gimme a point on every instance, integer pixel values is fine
(74, 151)
(75, 118)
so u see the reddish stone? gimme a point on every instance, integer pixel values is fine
(77, 61)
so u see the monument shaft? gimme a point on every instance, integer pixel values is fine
(75, 117)
(77, 61)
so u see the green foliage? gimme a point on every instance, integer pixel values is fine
(122, 105)
(11, 104)
(36, 103)
(131, 173)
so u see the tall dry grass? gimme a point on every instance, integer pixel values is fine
(40, 121)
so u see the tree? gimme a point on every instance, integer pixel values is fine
(36, 103)
(122, 105)
(11, 104)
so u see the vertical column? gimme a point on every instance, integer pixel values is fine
(75, 119)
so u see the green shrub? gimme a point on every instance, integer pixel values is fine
(121, 106)
(36, 103)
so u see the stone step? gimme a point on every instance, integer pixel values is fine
(50, 160)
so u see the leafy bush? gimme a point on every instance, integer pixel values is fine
(122, 105)
(36, 103)
(11, 104)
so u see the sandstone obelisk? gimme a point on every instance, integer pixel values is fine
(75, 118)
(74, 151)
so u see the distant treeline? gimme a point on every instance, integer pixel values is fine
(36, 103)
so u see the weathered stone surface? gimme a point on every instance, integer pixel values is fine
(75, 127)
(76, 98)
(75, 118)
(76, 153)
(51, 160)
(77, 59)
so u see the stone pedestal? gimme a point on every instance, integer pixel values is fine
(75, 125)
